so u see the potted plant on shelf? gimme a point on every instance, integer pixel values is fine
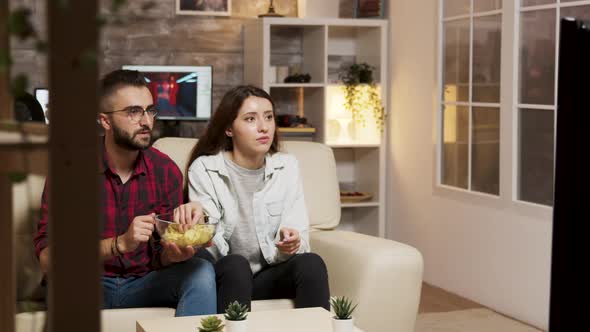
(361, 94)
(235, 317)
(211, 324)
(342, 320)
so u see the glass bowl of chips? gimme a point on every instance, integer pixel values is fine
(183, 235)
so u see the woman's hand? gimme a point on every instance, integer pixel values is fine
(188, 214)
(290, 241)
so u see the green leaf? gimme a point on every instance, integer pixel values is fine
(63, 4)
(236, 311)
(101, 20)
(5, 60)
(211, 324)
(19, 24)
(148, 5)
(41, 46)
(89, 58)
(17, 177)
(117, 4)
(19, 85)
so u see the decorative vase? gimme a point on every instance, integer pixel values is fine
(342, 325)
(236, 325)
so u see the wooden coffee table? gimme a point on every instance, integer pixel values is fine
(286, 320)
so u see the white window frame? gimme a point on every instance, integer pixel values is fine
(516, 109)
(470, 104)
(509, 86)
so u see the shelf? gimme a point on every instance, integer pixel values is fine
(296, 130)
(349, 22)
(324, 48)
(24, 148)
(359, 204)
(348, 146)
(296, 85)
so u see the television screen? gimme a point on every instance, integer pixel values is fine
(42, 96)
(179, 92)
(571, 184)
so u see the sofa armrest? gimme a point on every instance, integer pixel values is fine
(384, 277)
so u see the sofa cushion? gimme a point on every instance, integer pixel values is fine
(318, 169)
(26, 197)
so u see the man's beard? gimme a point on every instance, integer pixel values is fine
(129, 141)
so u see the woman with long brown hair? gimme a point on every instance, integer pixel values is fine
(261, 249)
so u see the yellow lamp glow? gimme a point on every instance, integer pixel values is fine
(339, 117)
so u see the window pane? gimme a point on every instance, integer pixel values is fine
(485, 156)
(455, 146)
(455, 7)
(486, 5)
(456, 57)
(537, 57)
(536, 146)
(526, 3)
(579, 12)
(487, 39)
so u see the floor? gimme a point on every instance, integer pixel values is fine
(434, 299)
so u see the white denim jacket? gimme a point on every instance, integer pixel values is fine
(279, 204)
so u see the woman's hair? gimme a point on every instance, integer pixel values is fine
(215, 140)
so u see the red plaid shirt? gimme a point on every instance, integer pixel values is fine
(154, 186)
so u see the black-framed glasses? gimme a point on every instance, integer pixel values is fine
(135, 113)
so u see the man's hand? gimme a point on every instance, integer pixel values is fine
(188, 214)
(172, 253)
(139, 231)
(290, 241)
(44, 260)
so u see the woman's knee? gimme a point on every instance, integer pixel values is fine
(310, 265)
(234, 266)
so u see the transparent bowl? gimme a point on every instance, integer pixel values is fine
(196, 235)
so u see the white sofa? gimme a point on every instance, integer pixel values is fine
(384, 277)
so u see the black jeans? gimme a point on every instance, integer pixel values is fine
(303, 277)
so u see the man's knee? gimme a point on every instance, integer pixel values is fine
(200, 270)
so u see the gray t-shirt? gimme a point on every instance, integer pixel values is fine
(244, 241)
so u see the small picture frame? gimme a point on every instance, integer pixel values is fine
(203, 7)
(369, 8)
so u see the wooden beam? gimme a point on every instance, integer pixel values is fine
(7, 278)
(5, 97)
(74, 282)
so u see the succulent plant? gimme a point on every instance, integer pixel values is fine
(211, 324)
(342, 307)
(236, 311)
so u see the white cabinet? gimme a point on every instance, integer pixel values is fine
(324, 48)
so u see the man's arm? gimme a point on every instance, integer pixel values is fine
(40, 239)
(107, 247)
(172, 198)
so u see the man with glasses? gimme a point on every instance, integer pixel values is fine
(138, 182)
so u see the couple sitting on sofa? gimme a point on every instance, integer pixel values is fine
(261, 248)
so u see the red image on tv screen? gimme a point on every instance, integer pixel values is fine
(174, 93)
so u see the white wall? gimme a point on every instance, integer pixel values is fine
(493, 253)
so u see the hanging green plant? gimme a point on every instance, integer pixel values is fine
(362, 95)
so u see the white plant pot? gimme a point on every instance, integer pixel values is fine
(342, 325)
(236, 325)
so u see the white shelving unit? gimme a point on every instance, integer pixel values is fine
(323, 48)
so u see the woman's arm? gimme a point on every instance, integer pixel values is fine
(202, 189)
(295, 215)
